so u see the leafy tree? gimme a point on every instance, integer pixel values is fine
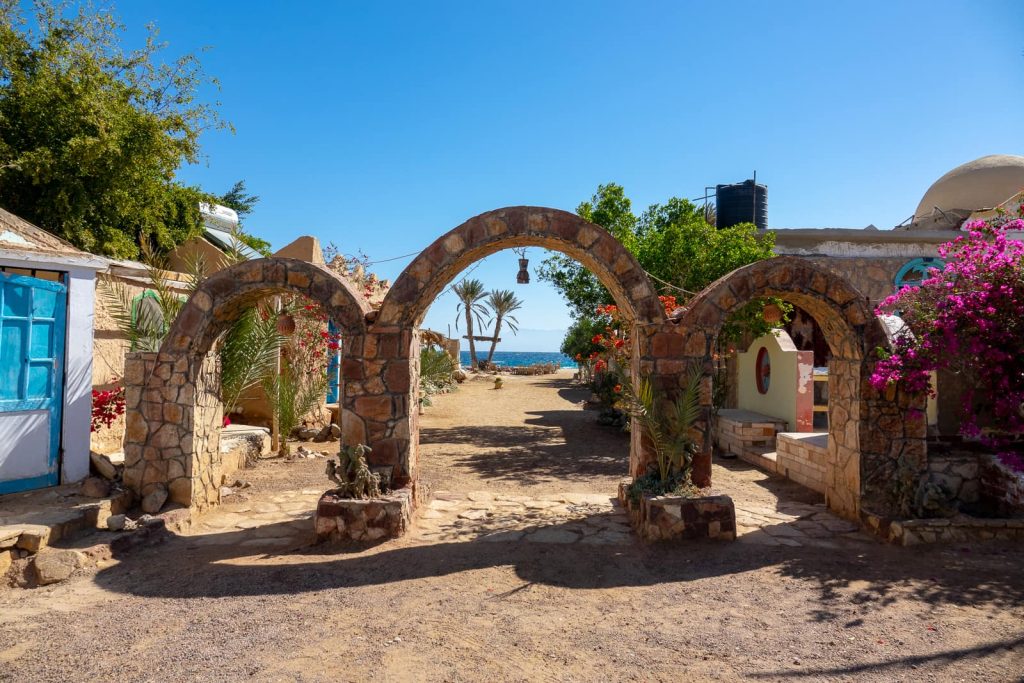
(967, 317)
(470, 294)
(579, 339)
(611, 209)
(91, 134)
(243, 203)
(502, 302)
(674, 242)
(239, 199)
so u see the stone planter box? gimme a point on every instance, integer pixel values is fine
(347, 519)
(665, 518)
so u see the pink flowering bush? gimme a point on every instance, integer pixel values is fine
(968, 318)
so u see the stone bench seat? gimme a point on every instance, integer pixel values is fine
(803, 457)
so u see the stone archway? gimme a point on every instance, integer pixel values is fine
(392, 345)
(868, 432)
(173, 397)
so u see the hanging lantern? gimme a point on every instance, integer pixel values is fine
(523, 276)
(285, 324)
(772, 314)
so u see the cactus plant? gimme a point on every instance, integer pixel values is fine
(353, 475)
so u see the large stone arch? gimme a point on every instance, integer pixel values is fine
(173, 396)
(870, 432)
(392, 345)
(520, 226)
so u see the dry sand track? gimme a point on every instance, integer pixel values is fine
(451, 604)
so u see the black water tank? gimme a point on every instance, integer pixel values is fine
(743, 202)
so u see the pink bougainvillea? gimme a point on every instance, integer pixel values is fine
(969, 318)
(107, 406)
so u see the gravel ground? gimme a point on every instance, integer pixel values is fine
(485, 611)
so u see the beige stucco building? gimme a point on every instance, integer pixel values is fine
(879, 262)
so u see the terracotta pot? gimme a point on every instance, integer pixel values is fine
(772, 314)
(286, 324)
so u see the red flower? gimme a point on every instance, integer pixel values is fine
(618, 389)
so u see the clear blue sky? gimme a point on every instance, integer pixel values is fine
(380, 126)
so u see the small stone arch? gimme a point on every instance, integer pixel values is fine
(173, 396)
(392, 345)
(869, 431)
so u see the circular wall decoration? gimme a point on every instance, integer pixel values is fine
(915, 271)
(763, 370)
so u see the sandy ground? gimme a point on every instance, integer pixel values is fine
(223, 607)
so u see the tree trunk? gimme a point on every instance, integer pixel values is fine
(469, 333)
(494, 340)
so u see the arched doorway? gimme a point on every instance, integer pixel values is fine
(392, 349)
(173, 398)
(869, 432)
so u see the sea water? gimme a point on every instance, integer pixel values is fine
(522, 358)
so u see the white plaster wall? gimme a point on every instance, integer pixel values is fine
(77, 353)
(78, 374)
(843, 249)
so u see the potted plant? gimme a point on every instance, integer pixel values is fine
(663, 503)
(362, 507)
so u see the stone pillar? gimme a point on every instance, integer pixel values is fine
(893, 446)
(842, 474)
(666, 354)
(379, 379)
(173, 419)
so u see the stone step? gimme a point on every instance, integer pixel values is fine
(34, 520)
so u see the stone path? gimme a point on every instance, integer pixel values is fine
(286, 519)
(592, 519)
(279, 520)
(795, 524)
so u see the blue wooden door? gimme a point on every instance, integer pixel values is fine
(33, 314)
(333, 367)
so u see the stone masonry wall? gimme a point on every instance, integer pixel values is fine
(749, 436)
(173, 405)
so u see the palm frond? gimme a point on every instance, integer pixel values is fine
(248, 354)
(120, 301)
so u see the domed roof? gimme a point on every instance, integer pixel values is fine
(980, 184)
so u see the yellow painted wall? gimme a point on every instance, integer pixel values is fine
(790, 395)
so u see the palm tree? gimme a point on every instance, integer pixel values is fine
(502, 302)
(470, 292)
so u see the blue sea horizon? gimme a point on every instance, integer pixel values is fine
(522, 358)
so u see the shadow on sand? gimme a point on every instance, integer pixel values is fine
(236, 563)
